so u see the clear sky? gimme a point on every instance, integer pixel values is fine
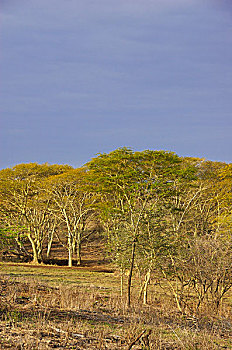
(80, 77)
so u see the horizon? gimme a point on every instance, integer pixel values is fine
(82, 165)
(81, 78)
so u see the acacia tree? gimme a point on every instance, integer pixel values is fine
(131, 181)
(73, 206)
(198, 262)
(25, 202)
(162, 225)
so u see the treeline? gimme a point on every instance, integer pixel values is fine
(168, 217)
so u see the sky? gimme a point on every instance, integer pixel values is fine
(82, 77)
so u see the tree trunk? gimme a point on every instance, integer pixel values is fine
(34, 249)
(39, 252)
(70, 249)
(130, 274)
(78, 251)
(49, 246)
(121, 284)
(70, 257)
(146, 283)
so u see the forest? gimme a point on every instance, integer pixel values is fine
(164, 218)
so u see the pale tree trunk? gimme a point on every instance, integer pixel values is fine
(78, 241)
(39, 250)
(36, 245)
(146, 283)
(76, 247)
(50, 240)
(70, 249)
(49, 247)
(34, 250)
(144, 287)
(121, 282)
(70, 257)
(39, 243)
(78, 252)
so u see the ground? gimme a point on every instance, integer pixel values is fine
(52, 307)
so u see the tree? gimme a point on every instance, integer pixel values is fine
(131, 181)
(199, 260)
(25, 203)
(73, 206)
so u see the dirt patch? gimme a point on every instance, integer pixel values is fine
(84, 267)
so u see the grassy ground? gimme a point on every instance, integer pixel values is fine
(81, 308)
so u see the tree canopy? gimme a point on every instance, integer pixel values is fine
(160, 215)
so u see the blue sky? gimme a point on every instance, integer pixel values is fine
(80, 77)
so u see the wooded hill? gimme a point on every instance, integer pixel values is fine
(166, 216)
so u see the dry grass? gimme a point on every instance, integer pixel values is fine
(78, 309)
